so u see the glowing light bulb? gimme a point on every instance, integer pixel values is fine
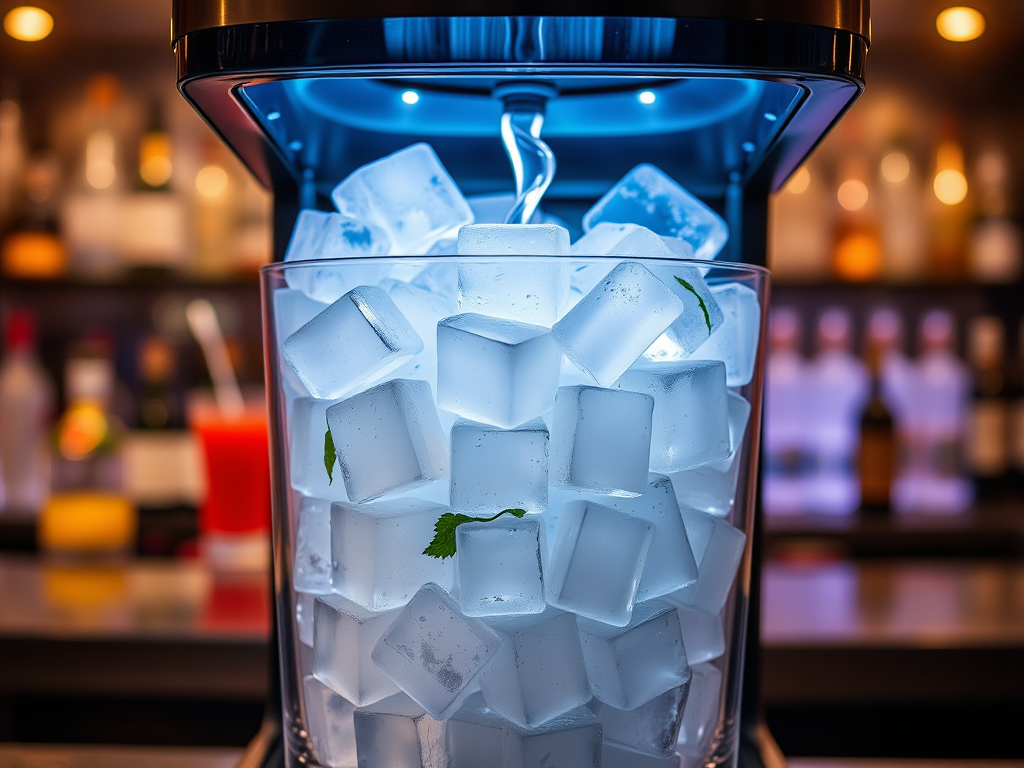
(647, 97)
(853, 194)
(960, 24)
(211, 181)
(895, 167)
(950, 186)
(28, 23)
(410, 97)
(799, 182)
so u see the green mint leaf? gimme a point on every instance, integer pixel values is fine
(443, 544)
(330, 456)
(703, 307)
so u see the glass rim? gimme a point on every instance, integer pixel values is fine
(279, 267)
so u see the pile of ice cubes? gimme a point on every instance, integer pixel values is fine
(590, 396)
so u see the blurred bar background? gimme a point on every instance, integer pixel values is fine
(893, 615)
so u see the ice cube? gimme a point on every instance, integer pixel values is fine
(304, 617)
(648, 197)
(572, 740)
(311, 571)
(602, 239)
(317, 236)
(409, 195)
(712, 487)
(329, 725)
(691, 412)
(539, 673)
(601, 440)
(651, 728)
(434, 653)
(397, 733)
(359, 338)
(700, 718)
(531, 291)
(735, 342)
(495, 371)
(307, 450)
(703, 633)
(628, 666)
(292, 310)
(615, 756)
(494, 469)
(702, 317)
(499, 566)
(614, 323)
(377, 551)
(476, 736)
(387, 438)
(670, 564)
(596, 562)
(718, 549)
(344, 635)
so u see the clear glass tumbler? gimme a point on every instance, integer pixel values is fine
(512, 507)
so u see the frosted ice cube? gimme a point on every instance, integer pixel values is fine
(532, 291)
(329, 724)
(628, 666)
(344, 634)
(304, 617)
(317, 236)
(377, 551)
(601, 440)
(614, 323)
(651, 728)
(572, 740)
(434, 653)
(311, 571)
(408, 194)
(539, 673)
(495, 371)
(648, 197)
(306, 451)
(359, 338)
(670, 564)
(476, 735)
(712, 487)
(718, 549)
(703, 633)
(702, 317)
(615, 756)
(499, 567)
(691, 412)
(387, 438)
(292, 310)
(700, 718)
(494, 469)
(596, 562)
(397, 733)
(601, 239)
(735, 343)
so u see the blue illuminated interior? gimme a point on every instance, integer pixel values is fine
(705, 131)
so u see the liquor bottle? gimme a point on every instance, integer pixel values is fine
(34, 247)
(950, 210)
(12, 154)
(857, 251)
(901, 214)
(787, 452)
(877, 457)
(1016, 399)
(934, 479)
(801, 226)
(26, 410)
(838, 385)
(995, 242)
(158, 407)
(987, 430)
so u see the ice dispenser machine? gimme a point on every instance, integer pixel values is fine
(516, 251)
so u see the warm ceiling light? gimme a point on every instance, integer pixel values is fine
(853, 194)
(28, 23)
(960, 24)
(950, 186)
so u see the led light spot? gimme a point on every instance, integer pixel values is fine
(960, 24)
(410, 97)
(647, 97)
(950, 186)
(28, 23)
